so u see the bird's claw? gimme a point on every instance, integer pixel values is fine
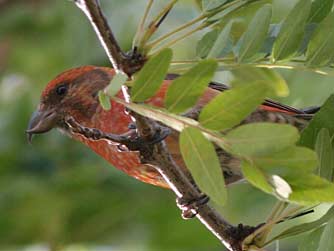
(129, 141)
(190, 207)
(138, 143)
(132, 126)
(160, 134)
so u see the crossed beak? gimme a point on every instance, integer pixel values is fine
(41, 121)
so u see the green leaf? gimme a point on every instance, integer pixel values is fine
(220, 42)
(253, 39)
(289, 172)
(309, 189)
(188, 88)
(327, 240)
(292, 32)
(230, 107)
(324, 149)
(115, 84)
(205, 44)
(256, 176)
(278, 167)
(174, 121)
(322, 119)
(311, 241)
(208, 5)
(320, 49)
(235, 10)
(200, 157)
(261, 138)
(309, 30)
(305, 227)
(104, 100)
(299, 159)
(319, 10)
(269, 183)
(274, 30)
(198, 4)
(148, 81)
(248, 74)
(306, 188)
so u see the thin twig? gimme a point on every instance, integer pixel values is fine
(269, 224)
(120, 61)
(192, 22)
(279, 207)
(178, 39)
(140, 28)
(276, 212)
(202, 17)
(97, 19)
(173, 32)
(230, 63)
(155, 23)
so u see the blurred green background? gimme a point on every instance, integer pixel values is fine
(56, 193)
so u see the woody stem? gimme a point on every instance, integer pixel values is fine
(120, 61)
(160, 157)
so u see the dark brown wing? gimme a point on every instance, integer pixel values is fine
(274, 106)
(268, 104)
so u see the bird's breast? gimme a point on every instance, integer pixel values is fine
(117, 121)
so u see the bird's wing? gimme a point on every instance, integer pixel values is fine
(273, 106)
(268, 104)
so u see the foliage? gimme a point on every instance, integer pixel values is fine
(188, 88)
(244, 41)
(200, 156)
(269, 153)
(147, 82)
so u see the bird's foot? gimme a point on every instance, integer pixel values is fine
(129, 141)
(160, 134)
(190, 207)
(132, 126)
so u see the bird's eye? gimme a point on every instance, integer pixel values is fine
(61, 90)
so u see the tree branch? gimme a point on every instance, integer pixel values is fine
(120, 61)
(158, 154)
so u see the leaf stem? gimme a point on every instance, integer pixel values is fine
(224, 7)
(140, 28)
(230, 64)
(194, 21)
(171, 43)
(277, 210)
(269, 224)
(178, 29)
(156, 114)
(155, 23)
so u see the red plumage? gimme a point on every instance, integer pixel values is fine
(80, 101)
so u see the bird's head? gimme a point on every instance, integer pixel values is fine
(72, 93)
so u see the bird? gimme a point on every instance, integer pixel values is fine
(74, 93)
